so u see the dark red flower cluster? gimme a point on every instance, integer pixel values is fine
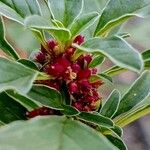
(75, 74)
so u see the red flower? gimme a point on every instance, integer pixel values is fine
(73, 87)
(40, 57)
(74, 75)
(84, 74)
(51, 44)
(79, 39)
(42, 111)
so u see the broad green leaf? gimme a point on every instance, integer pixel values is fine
(4, 45)
(65, 10)
(54, 133)
(96, 119)
(46, 96)
(70, 111)
(28, 63)
(93, 5)
(26, 102)
(97, 60)
(117, 12)
(132, 115)
(38, 22)
(18, 10)
(82, 23)
(44, 8)
(117, 70)
(136, 94)
(117, 50)
(10, 110)
(111, 105)
(14, 75)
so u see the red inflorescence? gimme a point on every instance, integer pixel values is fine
(74, 73)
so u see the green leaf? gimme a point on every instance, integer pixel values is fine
(46, 96)
(118, 130)
(4, 45)
(132, 115)
(18, 10)
(114, 138)
(136, 94)
(117, 50)
(70, 111)
(15, 76)
(96, 119)
(117, 12)
(94, 78)
(65, 10)
(97, 60)
(105, 77)
(10, 110)
(117, 70)
(146, 58)
(28, 63)
(111, 105)
(45, 11)
(54, 133)
(82, 23)
(117, 141)
(26, 102)
(39, 23)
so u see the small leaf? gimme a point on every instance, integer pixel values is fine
(4, 45)
(17, 10)
(114, 71)
(54, 133)
(111, 105)
(132, 115)
(118, 130)
(136, 94)
(82, 23)
(94, 78)
(146, 58)
(117, 141)
(70, 111)
(97, 60)
(46, 96)
(39, 23)
(96, 119)
(10, 109)
(26, 102)
(114, 138)
(117, 50)
(117, 12)
(105, 77)
(14, 75)
(28, 63)
(65, 10)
